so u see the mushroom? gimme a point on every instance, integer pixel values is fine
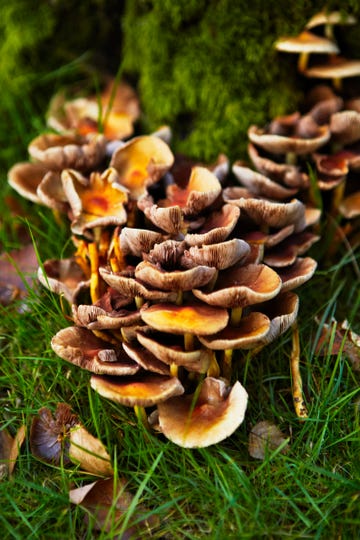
(174, 280)
(219, 256)
(329, 19)
(336, 68)
(216, 228)
(285, 253)
(138, 241)
(259, 184)
(25, 179)
(304, 44)
(282, 312)
(350, 206)
(345, 127)
(64, 276)
(298, 273)
(201, 420)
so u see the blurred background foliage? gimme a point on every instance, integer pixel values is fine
(207, 68)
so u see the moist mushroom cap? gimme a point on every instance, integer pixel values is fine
(336, 68)
(345, 126)
(138, 241)
(95, 318)
(306, 42)
(298, 273)
(25, 179)
(145, 390)
(242, 286)
(259, 184)
(214, 415)
(216, 228)
(175, 280)
(277, 144)
(218, 256)
(82, 348)
(198, 319)
(247, 334)
(282, 312)
(146, 359)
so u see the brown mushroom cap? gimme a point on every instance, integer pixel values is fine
(334, 17)
(216, 227)
(145, 390)
(25, 179)
(65, 277)
(286, 253)
(259, 184)
(306, 42)
(170, 349)
(169, 219)
(336, 68)
(345, 126)
(141, 162)
(350, 206)
(277, 144)
(58, 152)
(218, 256)
(298, 273)
(96, 318)
(198, 319)
(82, 348)
(282, 312)
(51, 192)
(175, 280)
(247, 334)
(242, 286)
(146, 359)
(214, 415)
(138, 241)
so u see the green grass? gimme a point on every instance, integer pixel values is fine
(312, 491)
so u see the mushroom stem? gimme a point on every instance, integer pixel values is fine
(94, 268)
(105, 337)
(211, 284)
(174, 370)
(299, 404)
(291, 158)
(235, 317)
(139, 301)
(188, 341)
(142, 416)
(214, 369)
(227, 365)
(57, 216)
(337, 82)
(303, 61)
(338, 195)
(114, 264)
(328, 31)
(117, 250)
(81, 258)
(179, 298)
(104, 243)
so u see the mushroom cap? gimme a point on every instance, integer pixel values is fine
(306, 42)
(141, 162)
(282, 312)
(214, 415)
(216, 228)
(345, 126)
(51, 192)
(175, 280)
(95, 318)
(200, 192)
(247, 334)
(333, 17)
(146, 359)
(82, 348)
(242, 286)
(259, 184)
(218, 256)
(350, 206)
(286, 252)
(145, 390)
(278, 144)
(170, 220)
(58, 152)
(298, 273)
(335, 68)
(198, 319)
(25, 179)
(138, 241)
(64, 276)
(334, 166)
(170, 349)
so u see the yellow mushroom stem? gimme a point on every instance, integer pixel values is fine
(117, 250)
(303, 61)
(139, 301)
(188, 341)
(132, 212)
(211, 284)
(214, 369)
(235, 316)
(227, 363)
(94, 268)
(299, 404)
(114, 264)
(142, 416)
(337, 83)
(105, 337)
(291, 158)
(82, 259)
(174, 370)
(57, 216)
(337, 197)
(179, 298)
(104, 243)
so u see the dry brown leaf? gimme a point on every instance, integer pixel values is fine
(337, 336)
(107, 501)
(9, 450)
(265, 437)
(19, 261)
(61, 438)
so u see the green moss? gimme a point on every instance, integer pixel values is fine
(209, 69)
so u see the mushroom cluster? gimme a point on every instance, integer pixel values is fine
(171, 272)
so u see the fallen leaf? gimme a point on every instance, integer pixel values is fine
(265, 437)
(17, 269)
(337, 336)
(61, 438)
(9, 450)
(107, 501)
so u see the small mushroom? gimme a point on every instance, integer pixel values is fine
(350, 206)
(198, 421)
(285, 253)
(336, 68)
(298, 273)
(345, 127)
(282, 312)
(329, 19)
(64, 276)
(278, 144)
(25, 179)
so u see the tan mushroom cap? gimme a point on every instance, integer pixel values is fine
(141, 162)
(170, 349)
(245, 335)
(321, 112)
(259, 184)
(282, 312)
(338, 68)
(290, 175)
(333, 17)
(242, 286)
(350, 206)
(58, 152)
(25, 179)
(219, 256)
(174, 280)
(170, 220)
(51, 192)
(269, 240)
(306, 42)
(264, 212)
(212, 417)
(64, 276)
(198, 319)
(345, 126)
(139, 241)
(146, 359)
(332, 165)
(200, 192)
(278, 144)
(82, 348)
(96, 318)
(131, 287)
(286, 252)
(216, 228)
(298, 273)
(145, 390)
